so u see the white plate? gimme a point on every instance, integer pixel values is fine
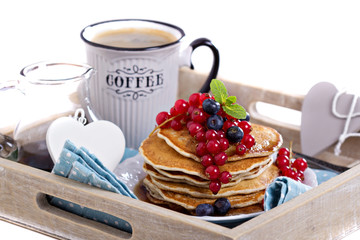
(229, 220)
(130, 171)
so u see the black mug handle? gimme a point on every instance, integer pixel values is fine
(215, 67)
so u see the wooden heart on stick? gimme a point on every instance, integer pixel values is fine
(325, 117)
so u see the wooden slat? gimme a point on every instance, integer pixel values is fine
(328, 211)
(248, 95)
(22, 197)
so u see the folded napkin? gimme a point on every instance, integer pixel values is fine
(281, 190)
(80, 165)
(324, 175)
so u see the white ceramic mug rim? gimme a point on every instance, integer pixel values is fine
(90, 42)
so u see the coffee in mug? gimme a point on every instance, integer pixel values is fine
(134, 38)
(137, 66)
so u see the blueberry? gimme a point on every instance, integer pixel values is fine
(247, 118)
(204, 209)
(215, 122)
(234, 134)
(222, 206)
(210, 106)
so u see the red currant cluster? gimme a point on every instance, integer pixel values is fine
(213, 129)
(290, 167)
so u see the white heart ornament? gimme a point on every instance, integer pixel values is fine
(320, 127)
(102, 138)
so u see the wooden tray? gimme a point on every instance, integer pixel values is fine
(330, 210)
(248, 96)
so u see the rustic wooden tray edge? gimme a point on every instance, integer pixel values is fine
(22, 190)
(249, 95)
(23, 201)
(327, 211)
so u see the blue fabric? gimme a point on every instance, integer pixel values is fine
(129, 153)
(284, 189)
(324, 175)
(80, 165)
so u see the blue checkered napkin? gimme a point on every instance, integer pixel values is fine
(80, 165)
(282, 190)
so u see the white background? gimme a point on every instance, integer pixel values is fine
(283, 45)
(278, 44)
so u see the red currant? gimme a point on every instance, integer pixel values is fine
(162, 117)
(181, 106)
(221, 112)
(300, 175)
(289, 172)
(284, 151)
(284, 170)
(240, 149)
(176, 125)
(188, 124)
(213, 146)
(211, 134)
(212, 172)
(183, 119)
(227, 125)
(207, 160)
(224, 144)
(201, 149)
(230, 117)
(173, 112)
(194, 128)
(215, 186)
(300, 164)
(220, 158)
(225, 177)
(190, 110)
(248, 140)
(194, 99)
(221, 134)
(245, 126)
(202, 97)
(282, 161)
(236, 122)
(198, 115)
(200, 136)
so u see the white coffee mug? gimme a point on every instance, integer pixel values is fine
(137, 65)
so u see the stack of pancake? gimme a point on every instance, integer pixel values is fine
(175, 176)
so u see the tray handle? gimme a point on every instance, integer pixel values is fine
(23, 192)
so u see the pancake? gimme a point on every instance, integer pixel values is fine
(177, 176)
(243, 187)
(161, 156)
(190, 203)
(267, 141)
(232, 212)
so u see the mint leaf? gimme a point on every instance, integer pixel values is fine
(235, 110)
(230, 100)
(219, 90)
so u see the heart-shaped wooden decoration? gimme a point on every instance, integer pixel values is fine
(320, 127)
(102, 138)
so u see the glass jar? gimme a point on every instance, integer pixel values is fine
(51, 91)
(8, 148)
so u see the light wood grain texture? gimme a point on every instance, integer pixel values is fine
(325, 212)
(248, 95)
(328, 211)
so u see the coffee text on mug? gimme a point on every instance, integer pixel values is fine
(135, 81)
